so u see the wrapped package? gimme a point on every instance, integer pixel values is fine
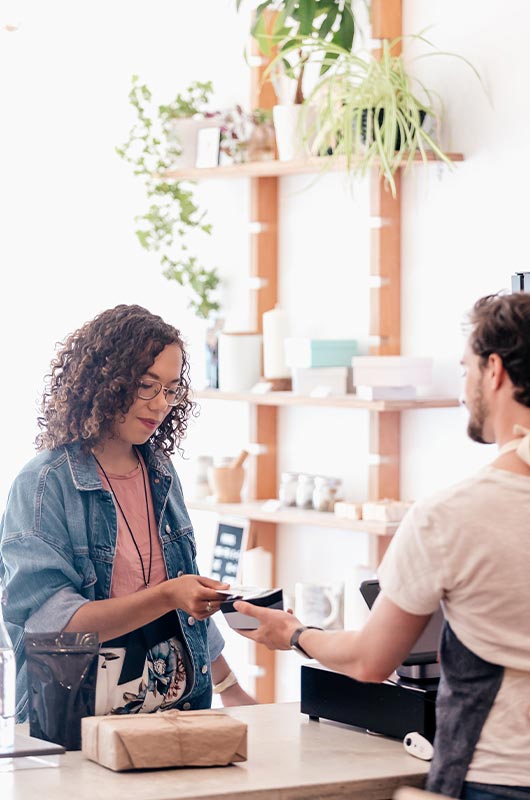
(203, 738)
(348, 510)
(385, 510)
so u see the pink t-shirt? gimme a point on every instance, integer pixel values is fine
(166, 668)
(127, 576)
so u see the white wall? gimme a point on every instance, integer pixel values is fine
(68, 249)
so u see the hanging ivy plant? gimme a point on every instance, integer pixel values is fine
(151, 149)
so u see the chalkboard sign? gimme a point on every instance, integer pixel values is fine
(230, 542)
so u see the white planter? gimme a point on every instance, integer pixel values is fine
(290, 124)
(239, 361)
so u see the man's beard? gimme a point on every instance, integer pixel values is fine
(477, 417)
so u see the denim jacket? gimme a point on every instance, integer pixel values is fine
(57, 548)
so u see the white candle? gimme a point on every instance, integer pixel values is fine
(275, 331)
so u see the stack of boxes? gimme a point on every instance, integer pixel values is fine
(326, 367)
(321, 367)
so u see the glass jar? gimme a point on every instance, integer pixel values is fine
(201, 489)
(7, 682)
(287, 490)
(304, 491)
(326, 493)
(262, 142)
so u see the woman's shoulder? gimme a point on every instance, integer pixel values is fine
(40, 464)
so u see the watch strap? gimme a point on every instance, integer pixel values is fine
(295, 644)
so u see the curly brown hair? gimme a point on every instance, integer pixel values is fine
(94, 375)
(501, 324)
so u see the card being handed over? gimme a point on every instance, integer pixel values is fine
(266, 598)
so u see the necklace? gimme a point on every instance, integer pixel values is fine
(147, 578)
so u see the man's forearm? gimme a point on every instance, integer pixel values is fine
(370, 654)
(338, 650)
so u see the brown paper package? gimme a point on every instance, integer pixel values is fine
(168, 739)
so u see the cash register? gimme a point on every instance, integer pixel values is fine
(404, 702)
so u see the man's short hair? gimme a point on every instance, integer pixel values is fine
(500, 323)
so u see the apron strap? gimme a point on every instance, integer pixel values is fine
(468, 688)
(137, 643)
(521, 445)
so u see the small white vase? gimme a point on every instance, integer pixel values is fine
(291, 124)
(185, 132)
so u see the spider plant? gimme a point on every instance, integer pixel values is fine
(372, 110)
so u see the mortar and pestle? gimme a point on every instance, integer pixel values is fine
(226, 481)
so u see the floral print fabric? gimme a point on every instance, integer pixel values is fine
(162, 684)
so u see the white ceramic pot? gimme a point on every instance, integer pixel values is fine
(290, 124)
(239, 361)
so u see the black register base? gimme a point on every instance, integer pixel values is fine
(391, 709)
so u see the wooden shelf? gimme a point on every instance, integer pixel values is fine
(294, 516)
(267, 169)
(338, 401)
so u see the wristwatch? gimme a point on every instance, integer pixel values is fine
(295, 644)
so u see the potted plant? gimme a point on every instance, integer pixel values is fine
(372, 109)
(282, 29)
(183, 117)
(152, 148)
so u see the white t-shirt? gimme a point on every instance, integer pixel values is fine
(469, 547)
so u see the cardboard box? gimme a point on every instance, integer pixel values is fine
(385, 510)
(173, 738)
(322, 380)
(386, 392)
(391, 370)
(348, 510)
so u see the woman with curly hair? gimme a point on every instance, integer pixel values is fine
(96, 536)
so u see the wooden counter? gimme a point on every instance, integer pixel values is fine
(289, 756)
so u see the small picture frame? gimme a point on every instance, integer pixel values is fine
(208, 143)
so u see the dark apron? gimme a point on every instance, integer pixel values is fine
(137, 643)
(467, 690)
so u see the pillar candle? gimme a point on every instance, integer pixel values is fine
(275, 331)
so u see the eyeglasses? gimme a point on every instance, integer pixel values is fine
(148, 390)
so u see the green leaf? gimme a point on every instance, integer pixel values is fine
(279, 23)
(328, 22)
(307, 15)
(143, 238)
(344, 36)
(259, 32)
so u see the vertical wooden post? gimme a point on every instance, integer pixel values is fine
(263, 479)
(385, 297)
(263, 247)
(386, 18)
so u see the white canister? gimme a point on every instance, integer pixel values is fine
(294, 127)
(239, 361)
(275, 332)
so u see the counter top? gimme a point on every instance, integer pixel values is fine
(289, 757)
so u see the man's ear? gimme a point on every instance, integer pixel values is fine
(496, 371)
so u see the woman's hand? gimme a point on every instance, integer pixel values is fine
(195, 594)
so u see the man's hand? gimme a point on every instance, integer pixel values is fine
(196, 595)
(275, 629)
